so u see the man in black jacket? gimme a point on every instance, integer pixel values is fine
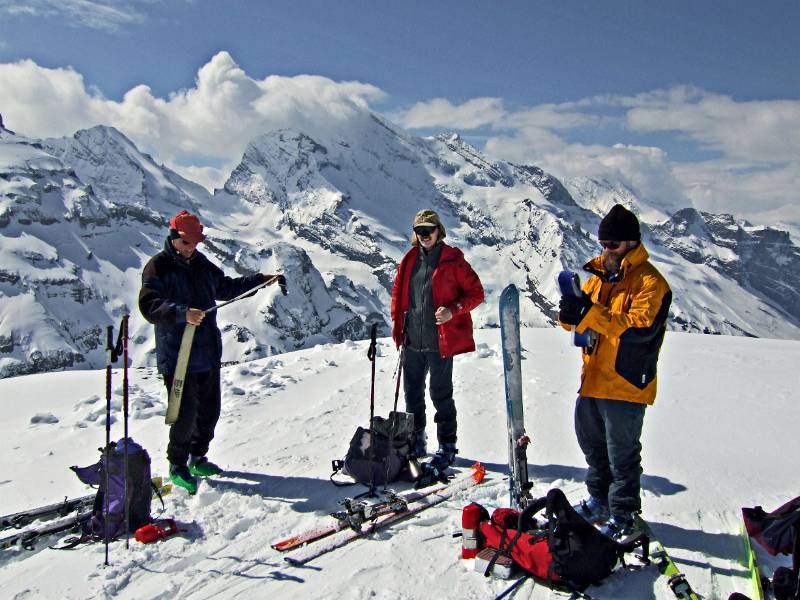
(178, 285)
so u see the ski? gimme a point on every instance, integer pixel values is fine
(20, 519)
(27, 538)
(341, 538)
(354, 516)
(676, 580)
(519, 486)
(752, 564)
(569, 284)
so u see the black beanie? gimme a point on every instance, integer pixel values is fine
(619, 224)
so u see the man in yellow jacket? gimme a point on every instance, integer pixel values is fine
(626, 302)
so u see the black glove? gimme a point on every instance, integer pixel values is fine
(572, 309)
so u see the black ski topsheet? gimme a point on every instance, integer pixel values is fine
(27, 538)
(50, 511)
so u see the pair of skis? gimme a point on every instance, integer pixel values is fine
(59, 517)
(351, 525)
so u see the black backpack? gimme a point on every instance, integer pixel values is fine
(389, 461)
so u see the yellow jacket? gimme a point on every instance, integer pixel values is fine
(629, 314)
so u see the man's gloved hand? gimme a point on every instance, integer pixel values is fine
(282, 284)
(572, 309)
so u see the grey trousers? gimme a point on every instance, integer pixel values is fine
(416, 365)
(608, 433)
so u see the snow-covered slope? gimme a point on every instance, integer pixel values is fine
(331, 205)
(712, 444)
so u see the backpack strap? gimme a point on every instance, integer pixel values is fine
(524, 523)
(160, 497)
(630, 543)
(337, 466)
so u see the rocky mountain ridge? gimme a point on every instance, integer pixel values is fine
(332, 209)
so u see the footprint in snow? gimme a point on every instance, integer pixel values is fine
(44, 418)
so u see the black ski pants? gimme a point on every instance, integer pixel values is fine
(200, 408)
(608, 433)
(416, 365)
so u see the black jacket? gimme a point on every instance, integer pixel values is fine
(171, 285)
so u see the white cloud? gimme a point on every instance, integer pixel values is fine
(109, 15)
(440, 112)
(755, 175)
(763, 130)
(214, 119)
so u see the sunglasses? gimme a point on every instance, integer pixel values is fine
(424, 231)
(610, 245)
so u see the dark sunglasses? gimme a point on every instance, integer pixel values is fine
(424, 231)
(611, 245)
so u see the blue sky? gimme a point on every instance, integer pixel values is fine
(703, 93)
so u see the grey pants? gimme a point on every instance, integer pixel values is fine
(416, 365)
(608, 433)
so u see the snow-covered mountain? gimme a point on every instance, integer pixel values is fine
(331, 208)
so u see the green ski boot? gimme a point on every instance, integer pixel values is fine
(181, 476)
(202, 467)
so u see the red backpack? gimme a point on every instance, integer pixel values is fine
(565, 550)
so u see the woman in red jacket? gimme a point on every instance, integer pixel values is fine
(434, 290)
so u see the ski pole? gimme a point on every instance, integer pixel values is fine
(124, 334)
(512, 587)
(371, 356)
(394, 424)
(109, 360)
(279, 278)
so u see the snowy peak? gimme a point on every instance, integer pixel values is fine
(123, 178)
(331, 207)
(760, 259)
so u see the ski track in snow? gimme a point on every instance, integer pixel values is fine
(284, 418)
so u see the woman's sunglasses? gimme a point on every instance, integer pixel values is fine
(424, 231)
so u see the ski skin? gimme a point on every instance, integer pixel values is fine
(318, 533)
(665, 565)
(344, 537)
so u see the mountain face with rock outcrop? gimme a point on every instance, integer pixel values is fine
(332, 209)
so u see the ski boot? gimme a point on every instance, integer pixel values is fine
(618, 527)
(200, 466)
(420, 444)
(444, 456)
(181, 476)
(592, 509)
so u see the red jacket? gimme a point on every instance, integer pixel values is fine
(454, 285)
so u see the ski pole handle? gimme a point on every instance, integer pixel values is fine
(373, 336)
